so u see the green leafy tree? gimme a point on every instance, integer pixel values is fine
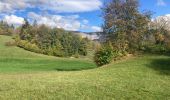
(25, 31)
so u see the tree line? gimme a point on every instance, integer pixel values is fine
(51, 41)
(5, 28)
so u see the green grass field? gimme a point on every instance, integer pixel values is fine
(28, 76)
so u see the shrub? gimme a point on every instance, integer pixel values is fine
(58, 53)
(49, 51)
(104, 55)
(28, 46)
(21, 43)
(34, 48)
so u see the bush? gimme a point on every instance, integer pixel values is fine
(28, 46)
(104, 55)
(58, 53)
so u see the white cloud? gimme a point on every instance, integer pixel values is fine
(96, 28)
(67, 22)
(67, 6)
(71, 22)
(85, 21)
(10, 6)
(15, 20)
(76, 5)
(5, 7)
(161, 3)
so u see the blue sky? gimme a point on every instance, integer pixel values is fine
(158, 7)
(76, 15)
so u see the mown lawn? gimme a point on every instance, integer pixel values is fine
(140, 78)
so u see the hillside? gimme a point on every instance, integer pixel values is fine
(16, 59)
(26, 75)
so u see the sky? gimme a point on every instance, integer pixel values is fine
(74, 15)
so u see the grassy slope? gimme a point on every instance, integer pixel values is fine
(16, 59)
(143, 78)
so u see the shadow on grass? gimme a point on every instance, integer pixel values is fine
(161, 65)
(75, 69)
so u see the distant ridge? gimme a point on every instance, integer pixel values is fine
(89, 35)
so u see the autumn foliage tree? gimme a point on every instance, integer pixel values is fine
(124, 25)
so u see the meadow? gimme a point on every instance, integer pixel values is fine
(29, 76)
